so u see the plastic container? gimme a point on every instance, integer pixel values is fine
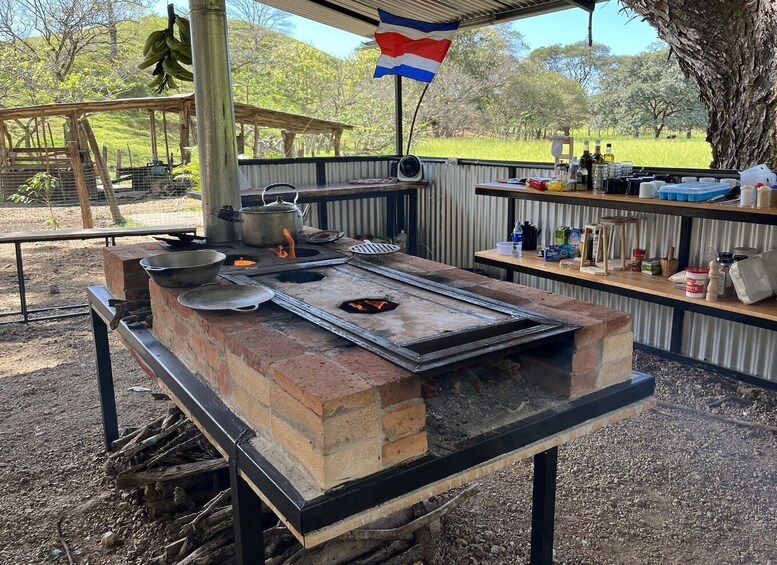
(746, 194)
(692, 192)
(750, 280)
(696, 281)
(760, 173)
(708, 179)
(763, 197)
(504, 248)
(688, 179)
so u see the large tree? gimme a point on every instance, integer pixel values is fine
(577, 61)
(727, 47)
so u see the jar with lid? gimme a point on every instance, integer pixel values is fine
(638, 255)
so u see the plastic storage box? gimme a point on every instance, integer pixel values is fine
(692, 191)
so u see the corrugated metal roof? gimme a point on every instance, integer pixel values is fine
(361, 16)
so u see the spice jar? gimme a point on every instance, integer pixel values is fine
(637, 256)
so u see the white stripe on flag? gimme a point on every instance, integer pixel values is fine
(410, 60)
(414, 34)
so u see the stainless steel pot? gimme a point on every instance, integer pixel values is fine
(263, 225)
(184, 268)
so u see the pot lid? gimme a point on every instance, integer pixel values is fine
(280, 205)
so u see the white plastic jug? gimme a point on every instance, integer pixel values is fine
(760, 173)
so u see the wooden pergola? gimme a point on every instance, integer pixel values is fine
(182, 104)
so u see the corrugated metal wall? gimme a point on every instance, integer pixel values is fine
(454, 223)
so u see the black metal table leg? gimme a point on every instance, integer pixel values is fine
(323, 216)
(391, 216)
(20, 278)
(543, 507)
(676, 338)
(412, 222)
(247, 519)
(105, 380)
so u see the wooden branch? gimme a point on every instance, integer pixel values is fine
(405, 532)
(736, 422)
(153, 440)
(174, 473)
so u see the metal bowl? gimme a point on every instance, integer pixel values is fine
(184, 268)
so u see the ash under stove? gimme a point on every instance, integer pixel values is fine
(252, 261)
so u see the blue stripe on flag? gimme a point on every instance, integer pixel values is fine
(405, 71)
(415, 24)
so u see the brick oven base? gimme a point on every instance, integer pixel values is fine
(315, 515)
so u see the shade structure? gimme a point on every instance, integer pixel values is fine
(361, 16)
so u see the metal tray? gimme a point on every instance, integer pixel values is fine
(238, 298)
(370, 248)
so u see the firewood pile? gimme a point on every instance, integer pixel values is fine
(170, 468)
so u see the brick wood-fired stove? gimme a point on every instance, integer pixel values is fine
(329, 414)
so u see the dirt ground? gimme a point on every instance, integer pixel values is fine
(669, 486)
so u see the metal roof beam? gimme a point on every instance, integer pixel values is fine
(587, 5)
(345, 11)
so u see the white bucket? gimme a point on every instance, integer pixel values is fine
(696, 281)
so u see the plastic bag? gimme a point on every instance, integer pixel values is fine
(760, 173)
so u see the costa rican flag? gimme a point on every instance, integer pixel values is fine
(411, 48)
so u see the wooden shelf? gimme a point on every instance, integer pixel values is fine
(632, 203)
(656, 289)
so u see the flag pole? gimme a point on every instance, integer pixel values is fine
(398, 115)
(415, 114)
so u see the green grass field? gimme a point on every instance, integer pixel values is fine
(681, 153)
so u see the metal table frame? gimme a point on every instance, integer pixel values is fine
(230, 434)
(109, 235)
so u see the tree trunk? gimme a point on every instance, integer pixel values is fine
(726, 47)
(112, 31)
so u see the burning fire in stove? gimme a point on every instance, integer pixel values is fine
(281, 252)
(243, 262)
(368, 306)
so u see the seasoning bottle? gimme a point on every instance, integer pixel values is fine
(764, 196)
(725, 286)
(746, 196)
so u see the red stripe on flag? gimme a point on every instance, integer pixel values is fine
(396, 44)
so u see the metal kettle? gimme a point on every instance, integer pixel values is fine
(530, 235)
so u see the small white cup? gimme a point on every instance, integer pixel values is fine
(708, 179)
(648, 190)
(688, 179)
(658, 184)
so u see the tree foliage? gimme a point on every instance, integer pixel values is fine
(648, 90)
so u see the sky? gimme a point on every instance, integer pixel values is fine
(624, 36)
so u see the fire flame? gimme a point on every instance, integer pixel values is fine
(281, 252)
(371, 306)
(243, 263)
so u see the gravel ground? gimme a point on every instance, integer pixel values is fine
(668, 486)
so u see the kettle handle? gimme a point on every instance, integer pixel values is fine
(277, 184)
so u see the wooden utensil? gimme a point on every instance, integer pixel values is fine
(669, 265)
